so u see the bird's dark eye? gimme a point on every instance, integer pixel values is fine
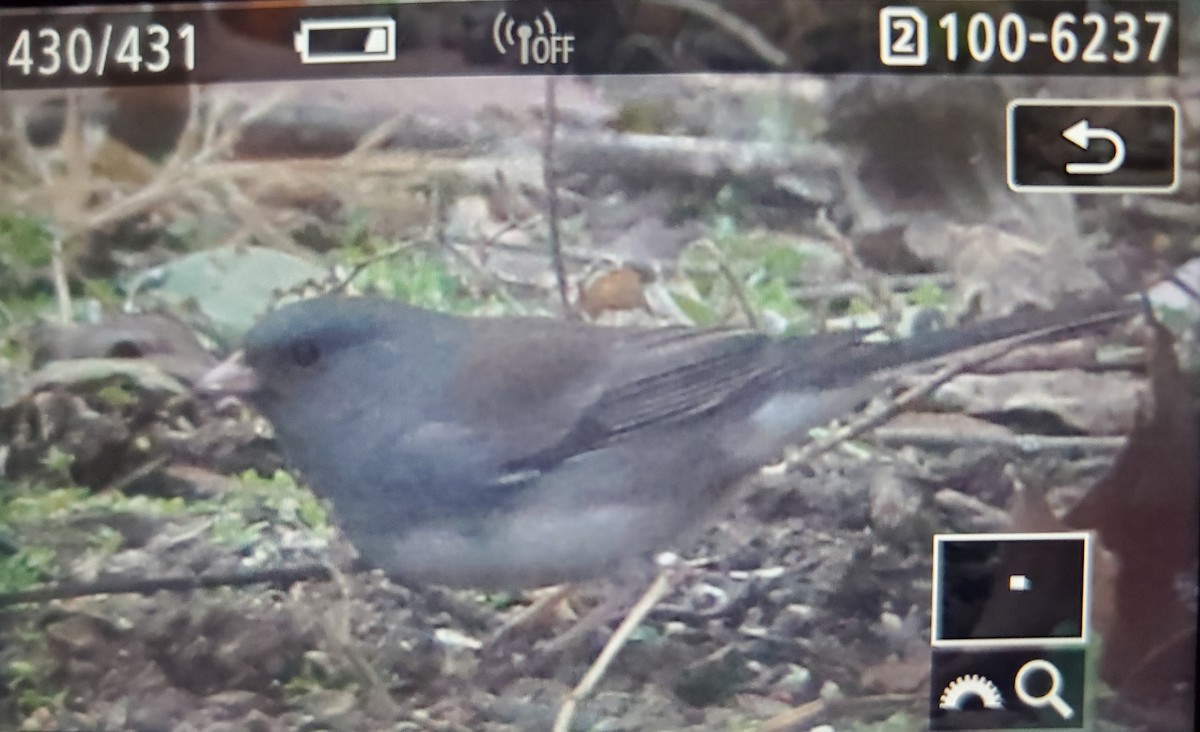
(304, 353)
(125, 349)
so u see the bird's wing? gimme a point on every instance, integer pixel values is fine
(662, 377)
(667, 376)
(528, 395)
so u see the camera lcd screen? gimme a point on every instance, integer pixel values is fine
(600, 365)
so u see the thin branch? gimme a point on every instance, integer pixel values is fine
(871, 420)
(190, 137)
(535, 612)
(127, 479)
(983, 514)
(374, 139)
(551, 184)
(150, 585)
(1190, 291)
(924, 388)
(339, 635)
(361, 265)
(58, 273)
(70, 194)
(198, 175)
(497, 285)
(662, 585)
(735, 282)
(228, 138)
(852, 287)
(876, 283)
(806, 714)
(251, 215)
(734, 26)
(942, 439)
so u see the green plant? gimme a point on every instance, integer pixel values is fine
(24, 247)
(26, 567)
(757, 267)
(234, 530)
(32, 684)
(58, 463)
(25, 504)
(928, 294)
(409, 274)
(280, 496)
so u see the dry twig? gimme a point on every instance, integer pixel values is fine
(361, 265)
(150, 585)
(734, 26)
(534, 612)
(972, 358)
(933, 438)
(551, 184)
(735, 283)
(663, 584)
(806, 714)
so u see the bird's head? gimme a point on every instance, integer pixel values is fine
(293, 352)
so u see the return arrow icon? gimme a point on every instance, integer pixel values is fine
(1081, 135)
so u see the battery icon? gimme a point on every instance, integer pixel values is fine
(346, 40)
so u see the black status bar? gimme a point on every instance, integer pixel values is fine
(50, 48)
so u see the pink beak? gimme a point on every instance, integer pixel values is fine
(231, 376)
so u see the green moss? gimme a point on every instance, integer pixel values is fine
(762, 265)
(410, 274)
(32, 685)
(282, 497)
(859, 305)
(117, 395)
(240, 516)
(58, 463)
(653, 117)
(25, 504)
(234, 530)
(106, 540)
(24, 243)
(25, 568)
(929, 295)
(317, 673)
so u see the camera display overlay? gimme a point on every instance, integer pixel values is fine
(600, 364)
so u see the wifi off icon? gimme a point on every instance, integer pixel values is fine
(538, 42)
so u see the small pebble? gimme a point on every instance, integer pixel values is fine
(830, 691)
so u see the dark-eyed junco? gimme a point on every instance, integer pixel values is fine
(516, 452)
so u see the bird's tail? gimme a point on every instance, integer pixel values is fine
(865, 358)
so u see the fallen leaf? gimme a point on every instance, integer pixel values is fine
(1145, 510)
(1001, 272)
(232, 285)
(1011, 614)
(616, 289)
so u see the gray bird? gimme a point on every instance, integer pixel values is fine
(517, 452)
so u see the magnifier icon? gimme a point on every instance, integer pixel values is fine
(1051, 697)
